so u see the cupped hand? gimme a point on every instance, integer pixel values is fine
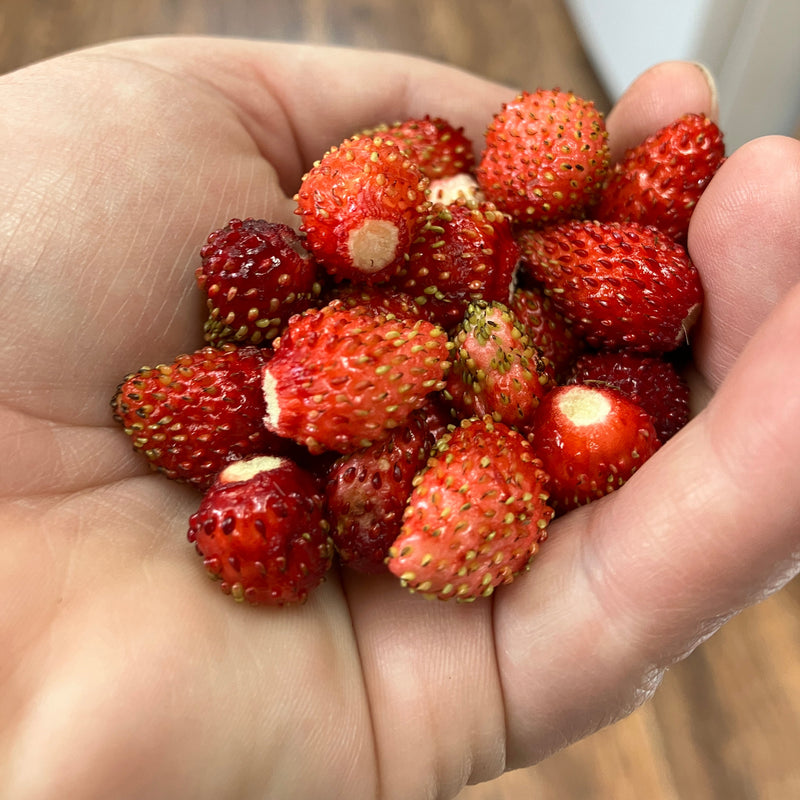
(125, 673)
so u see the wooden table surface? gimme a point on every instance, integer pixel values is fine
(725, 724)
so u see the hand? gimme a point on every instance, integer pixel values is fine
(125, 673)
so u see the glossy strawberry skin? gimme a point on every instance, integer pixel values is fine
(342, 378)
(476, 517)
(367, 491)
(465, 252)
(620, 285)
(191, 417)
(263, 535)
(649, 381)
(590, 440)
(361, 205)
(545, 156)
(255, 275)
(660, 181)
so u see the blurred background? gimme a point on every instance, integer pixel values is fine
(725, 724)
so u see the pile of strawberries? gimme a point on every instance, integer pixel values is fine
(448, 352)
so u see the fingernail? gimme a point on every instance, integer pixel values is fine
(712, 88)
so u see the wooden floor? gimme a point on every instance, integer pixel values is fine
(726, 723)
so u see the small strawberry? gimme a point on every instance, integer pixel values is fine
(456, 188)
(361, 206)
(660, 181)
(621, 286)
(545, 157)
(261, 531)
(193, 416)
(438, 148)
(476, 516)
(590, 440)
(547, 329)
(342, 378)
(255, 275)
(650, 381)
(367, 491)
(496, 369)
(384, 299)
(465, 252)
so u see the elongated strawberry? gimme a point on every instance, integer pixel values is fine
(261, 531)
(545, 156)
(437, 147)
(476, 516)
(361, 206)
(194, 415)
(590, 440)
(500, 372)
(650, 381)
(342, 378)
(621, 286)
(255, 275)
(367, 491)
(660, 181)
(465, 252)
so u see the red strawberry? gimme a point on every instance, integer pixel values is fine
(496, 369)
(342, 378)
(651, 382)
(660, 181)
(384, 299)
(476, 516)
(261, 531)
(361, 206)
(621, 286)
(255, 275)
(590, 440)
(438, 148)
(465, 252)
(546, 156)
(546, 328)
(191, 417)
(367, 491)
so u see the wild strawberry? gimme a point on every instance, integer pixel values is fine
(342, 378)
(193, 416)
(476, 516)
(590, 440)
(465, 252)
(255, 275)
(456, 188)
(660, 181)
(438, 148)
(546, 156)
(650, 381)
(496, 369)
(546, 328)
(261, 531)
(361, 206)
(384, 299)
(367, 491)
(621, 286)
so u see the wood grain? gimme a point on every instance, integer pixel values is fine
(726, 722)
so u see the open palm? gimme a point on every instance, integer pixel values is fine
(125, 673)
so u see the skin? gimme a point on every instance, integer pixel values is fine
(126, 673)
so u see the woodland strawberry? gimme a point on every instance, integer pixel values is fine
(496, 369)
(476, 516)
(590, 440)
(660, 181)
(545, 156)
(194, 415)
(361, 205)
(464, 252)
(255, 275)
(261, 531)
(367, 491)
(622, 286)
(342, 378)
(650, 381)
